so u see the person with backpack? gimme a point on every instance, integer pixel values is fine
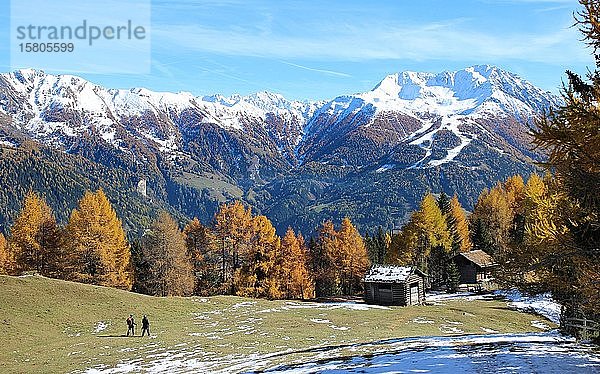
(145, 325)
(131, 325)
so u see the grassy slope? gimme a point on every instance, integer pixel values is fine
(48, 325)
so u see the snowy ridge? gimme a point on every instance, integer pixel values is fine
(56, 109)
(103, 111)
(446, 104)
(459, 92)
(451, 93)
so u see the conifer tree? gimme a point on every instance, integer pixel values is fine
(424, 241)
(322, 267)
(170, 267)
(480, 235)
(459, 227)
(35, 241)
(295, 280)
(571, 136)
(378, 245)
(256, 276)
(203, 252)
(402, 246)
(514, 190)
(303, 275)
(98, 250)
(493, 219)
(52, 237)
(453, 276)
(431, 231)
(6, 260)
(443, 203)
(371, 247)
(514, 186)
(140, 265)
(233, 229)
(559, 246)
(350, 257)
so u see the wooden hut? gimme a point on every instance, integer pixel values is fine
(475, 266)
(394, 285)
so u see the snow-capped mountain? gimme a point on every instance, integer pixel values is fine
(461, 130)
(38, 102)
(413, 108)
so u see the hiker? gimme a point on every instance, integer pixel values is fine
(131, 325)
(145, 325)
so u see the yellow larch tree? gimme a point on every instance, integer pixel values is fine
(35, 240)
(514, 186)
(257, 275)
(99, 251)
(430, 232)
(351, 257)
(459, 227)
(6, 259)
(294, 280)
(323, 269)
(233, 228)
(492, 220)
(402, 246)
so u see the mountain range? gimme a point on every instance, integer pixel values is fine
(370, 156)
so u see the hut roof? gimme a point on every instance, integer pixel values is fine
(389, 274)
(479, 258)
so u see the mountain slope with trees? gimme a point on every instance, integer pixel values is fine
(369, 156)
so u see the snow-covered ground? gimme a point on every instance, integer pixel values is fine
(542, 304)
(100, 326)
(502, 353)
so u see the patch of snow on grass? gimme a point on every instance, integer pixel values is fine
(244, 304)
(490, 331)
(449, 329)
(350, 305)
(100, 326)
(401, 355)
(341, 328)
(542, 304)
(354, 306)
(442, 296)
(540, 325)
(421, 320)
(318, 320)
(269, 310)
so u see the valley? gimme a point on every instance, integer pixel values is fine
(296, 162)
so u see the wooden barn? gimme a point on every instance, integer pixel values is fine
(394, 285)
(474, 266)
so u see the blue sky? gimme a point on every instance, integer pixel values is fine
(318, 49)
